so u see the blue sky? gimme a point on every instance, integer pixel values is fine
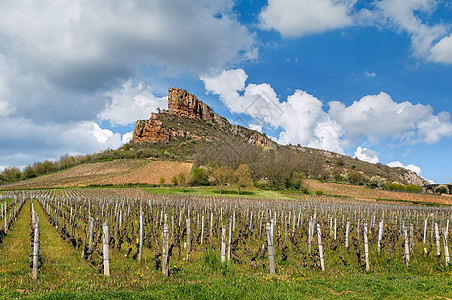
(370, 79)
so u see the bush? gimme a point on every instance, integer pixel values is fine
(413, 188)
(376, 182)
(394, 186)
(319, 193)
(442, 189)
(199, 177)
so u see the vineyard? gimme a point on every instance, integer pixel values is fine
(121, 241)
(117, 172)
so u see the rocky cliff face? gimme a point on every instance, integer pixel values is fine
(186, 105)
(182, 104)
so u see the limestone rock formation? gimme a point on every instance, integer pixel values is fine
(182, 104)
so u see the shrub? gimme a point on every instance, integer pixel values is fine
(413, 188)
(442, 189)
(376, 182)
(394, 186)
(199, 177)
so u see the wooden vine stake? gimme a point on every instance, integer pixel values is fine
(223, 244)
(36, 249)
(366, 248)
(230, 238)
(188, 239)
(380, 235)
(271, 253)
(319, 240)
(106, 239)
(202, 228)
(91, 232)
(425, 230)
(165, 258)
(407, 247)
(438, 245)
(347, 232)
(140, 247)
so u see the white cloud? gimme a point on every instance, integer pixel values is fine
(405, 16)
(301, 117)
(370, 74)
(366, 155)
(442, 51)
(131, 103)
(255, 127)
(295, 18)
(59, 61)
(127, 137)
(29, 142)
(378, 116)
(411, 167)
(303, 120)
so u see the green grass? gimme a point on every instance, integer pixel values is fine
(214, 191)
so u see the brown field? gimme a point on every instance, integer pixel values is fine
(149, 173)
(117, 172)
(360, 192)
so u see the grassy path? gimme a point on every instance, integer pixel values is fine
(14, 269)
(62, 266)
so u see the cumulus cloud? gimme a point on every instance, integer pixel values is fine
(301, 117)
(61, 64)
(366, 155)
(303, 120)
(404, 16)
(131, 103)
(442, 51)
(256, 127)
(29, 141)
(127, 137)
(295, 18)
(411, 167)
(377, 117)
(370, 74)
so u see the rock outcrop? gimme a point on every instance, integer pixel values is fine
(186, 105)
(182, 104)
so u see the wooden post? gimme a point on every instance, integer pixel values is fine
(230, 238)
(223, 244)
(211, 224)
(202, 228)
(380, 235)
(425, 229)
(91, 232)
(310, 225)
(106, 239)
(438, 245)
(271, 253)
(366, 248)
(319, 240)
(407, 248)
(188, 238)
(165, 258)
(36, 250)
(140, 247)
(335, 228)
(347, 232)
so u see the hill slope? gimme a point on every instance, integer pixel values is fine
(116, 172)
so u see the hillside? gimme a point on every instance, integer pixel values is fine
(116, 172)
(189, 131)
